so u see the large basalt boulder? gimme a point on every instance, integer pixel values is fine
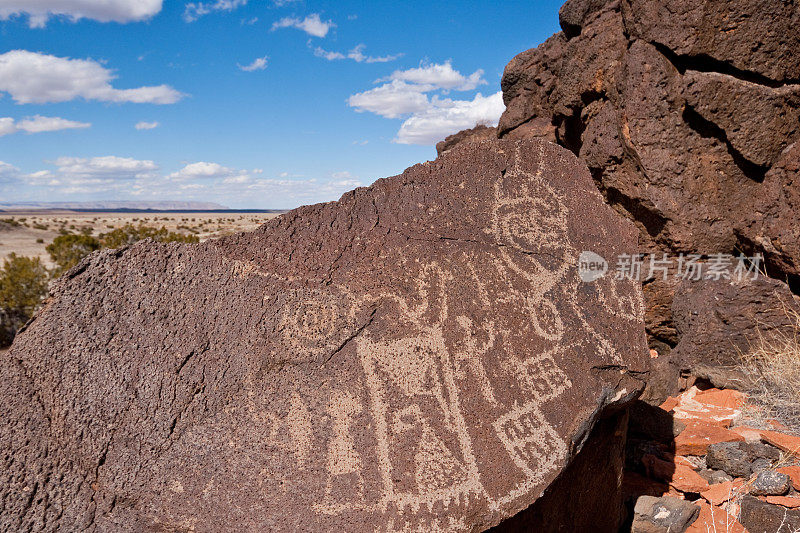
(420, 355)
(681, 109)
(480, 132)
(687, 113)
(713, 322)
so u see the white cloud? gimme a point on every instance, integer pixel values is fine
(39, 11)
(445, 117)
(391, 100)
(7, 126)
(38, 124)
(417, 95)
(195, 10)
(312, 25)
(8, 173)
(120, 177)
(146, 125)
(259, 63)
(81, 175)
(356, 54)
(210, 171)
(31, 77)
(440, 76)
(106, 167)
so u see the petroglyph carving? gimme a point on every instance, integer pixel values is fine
(342, 457)
(424, 448)
(414, 357)
(318, 323)
(300, 430)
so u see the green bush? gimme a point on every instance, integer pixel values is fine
(66, 251)
(129, 234)
(23, 284)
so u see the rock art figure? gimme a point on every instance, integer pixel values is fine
(418, 356)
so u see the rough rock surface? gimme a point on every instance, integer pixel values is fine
(687, 113)
(771, 483)
(478, 133)
(663, 515)
(702, 326)
(737, 458)
(420, 355)
(763, 517)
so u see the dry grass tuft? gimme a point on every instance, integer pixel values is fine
(772, 368)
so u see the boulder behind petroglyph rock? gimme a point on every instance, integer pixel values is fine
(420, 355)
(685, 111)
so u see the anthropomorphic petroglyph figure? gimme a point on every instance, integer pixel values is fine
(414, 395)
(343, 460)
(298, 421)
(436, 469)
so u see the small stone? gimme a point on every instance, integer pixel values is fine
(764, 451)
(787, 443)
(794, 473)
(687, 480)
(790, 502)
(692, 407)
(726, 398)
(714, 476)
(663, 515)
(770, 483)
(760, 465)
(749, 434)
(731, 457)
(698, 436)
(715, 519)
(758, 517)
(723, 492)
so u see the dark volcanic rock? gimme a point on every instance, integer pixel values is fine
(717, 319)
(478, 133)
(738, 458)
(419, 355)
(731, 457)
(770, 483)
(703, 325)
(763, 517)
(586, 496)
(685, 111)
(663, 515)
(756, 39)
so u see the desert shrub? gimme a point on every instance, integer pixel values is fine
(67, 250)
(23, 283)
(10, 222)
(129, 234)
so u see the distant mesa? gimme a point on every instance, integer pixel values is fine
(113, 206)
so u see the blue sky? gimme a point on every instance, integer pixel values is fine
(248, 103)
